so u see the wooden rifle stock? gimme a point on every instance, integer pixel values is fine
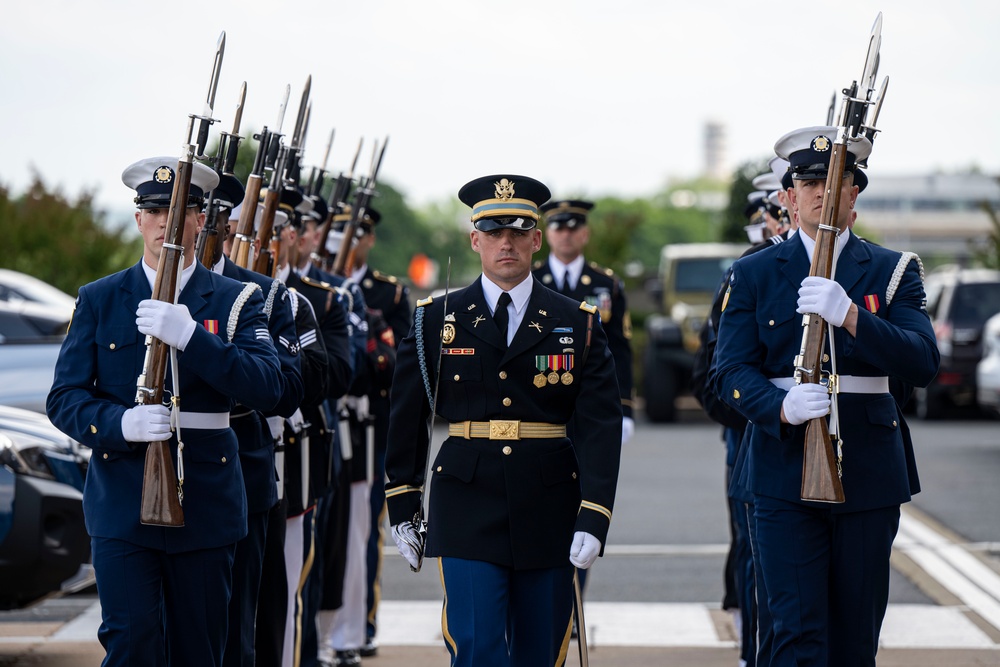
(820, 472)
(239, 253)
(264, 263)
(161, 493)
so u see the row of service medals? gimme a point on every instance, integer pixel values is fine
(549, 365)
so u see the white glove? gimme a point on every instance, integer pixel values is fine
(409, 541)
(584, 550)
(628, 429)
(804, 402)
(146, 423)
(825, 298)
(169, 322)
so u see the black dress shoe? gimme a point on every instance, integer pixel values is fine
(348, 658)
(369, 650)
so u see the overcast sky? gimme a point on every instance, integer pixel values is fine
(593, 98)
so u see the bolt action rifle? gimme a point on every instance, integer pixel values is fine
(162, 490)
(341, 191)
(342, 264)
(207, 246)
(821, 469)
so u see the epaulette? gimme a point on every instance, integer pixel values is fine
(601, 269)
(425, 302)
(587, 307)
(318, 283)
(385, 277)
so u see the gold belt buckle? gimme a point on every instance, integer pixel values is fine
(505, 429)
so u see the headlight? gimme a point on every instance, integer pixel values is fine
(24, 460)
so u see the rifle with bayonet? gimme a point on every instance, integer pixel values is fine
(363, 195)
(293, 164)
(821, 468)
(162, 489)
(341, 191)
(208, 242)
(273, 162)
(239, 253)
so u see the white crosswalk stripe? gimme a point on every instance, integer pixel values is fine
(418, 623)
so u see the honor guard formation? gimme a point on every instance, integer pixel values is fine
(261, 404)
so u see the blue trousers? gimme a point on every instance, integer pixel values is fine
(161, 609)
(246, 587)
(500, 617)
(827, 579)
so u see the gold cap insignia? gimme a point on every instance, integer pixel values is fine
(821, 144)
(163, 175)
(504, 189)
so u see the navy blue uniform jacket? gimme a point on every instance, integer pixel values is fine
(95, 382)
(759, 335)
(513, 503)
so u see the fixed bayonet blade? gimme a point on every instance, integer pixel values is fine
(301, 118)
(878, 103)
(213, 84)
(281, 109)
(354, 162)
(830, 110)
(326, 155)
(238, 119)
(871, 60)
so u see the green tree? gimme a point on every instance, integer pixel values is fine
(63, 242)
(987, 252)
(734, 220)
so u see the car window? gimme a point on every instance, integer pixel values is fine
(974, 303)
(701, 275)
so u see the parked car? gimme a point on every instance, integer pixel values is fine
(959, 301)
(988, 370)
(44, 546)
(687, 280)
(17, 287)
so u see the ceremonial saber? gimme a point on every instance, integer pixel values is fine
(581, 625)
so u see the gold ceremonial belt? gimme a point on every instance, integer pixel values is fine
(506, 429)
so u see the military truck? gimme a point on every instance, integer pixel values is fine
(687, 280)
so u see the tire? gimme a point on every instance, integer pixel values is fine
(929, 404)
(660, 391)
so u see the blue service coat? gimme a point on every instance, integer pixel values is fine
(759, 335)
(95, 382)
(253, 433)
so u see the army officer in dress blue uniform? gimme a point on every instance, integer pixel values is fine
(514, 504)
(164, 591)
(825, 566)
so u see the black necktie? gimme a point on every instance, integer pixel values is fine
(501, 317)
(565, 285)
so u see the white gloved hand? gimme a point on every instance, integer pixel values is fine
(804, 402)
(825, 298)
(169, 322)
(146, 423)
(628, 429)
(584, 550)
(409, 541)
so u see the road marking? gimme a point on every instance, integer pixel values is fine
(418, 623)
(951, 565)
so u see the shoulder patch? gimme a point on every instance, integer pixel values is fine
(587, 307)
(425, 302)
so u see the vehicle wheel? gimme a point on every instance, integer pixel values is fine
(660, 389)
(929, 404)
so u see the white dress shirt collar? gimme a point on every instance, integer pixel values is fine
(559, 269)
(184, 277)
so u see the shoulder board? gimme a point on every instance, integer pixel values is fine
(425, 302)
(601, 269)
(385, 277)
(318, 283)
(587, 307)
(537, 265)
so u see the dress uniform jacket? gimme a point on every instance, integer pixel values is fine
(760, 334)
(600, 287)
(95, 382)
(513, 503)
(391, 297)
(256, 442)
